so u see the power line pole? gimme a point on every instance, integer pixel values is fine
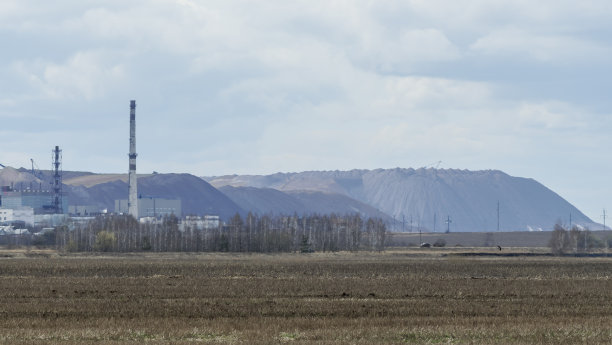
(604, 227)
(448, 221)
(410, 223)
(570, 222)
(420, 236)
(497, 215)
(434, 229)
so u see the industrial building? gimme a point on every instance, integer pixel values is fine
(11, 215)
(41, 201)
(26, 216)
(200, 223)
(35, 206)
(152, 207)
(85, 210)
(6, 215)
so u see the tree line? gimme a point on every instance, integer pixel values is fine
(575, 240)
(254, 233)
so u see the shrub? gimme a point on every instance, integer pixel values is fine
(105, 240)
(146, 244)
(439, 243)
(559, 240)
(575, 240)
(38, 241)
(71, 246)
(594, 242)
(305, 245)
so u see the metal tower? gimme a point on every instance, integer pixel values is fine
(57, 181)
(132, 179)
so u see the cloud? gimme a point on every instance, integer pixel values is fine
(242, 86)
(85, 75)
(405, 52)
(551, 116)
(555, 48)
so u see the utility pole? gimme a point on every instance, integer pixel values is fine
(410, 223)
(420, 236)
(434, 229)
(604, 227)
(448, 221)
(570, 222)
(497, 215)
(403, 223)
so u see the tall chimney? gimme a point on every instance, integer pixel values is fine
(57, 182)
(132, 182)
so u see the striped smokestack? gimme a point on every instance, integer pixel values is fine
(132, 179)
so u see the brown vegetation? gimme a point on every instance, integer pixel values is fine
(342, 298)
(263, 234)
(574, 241)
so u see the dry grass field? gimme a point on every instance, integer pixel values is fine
(537, 239)
(398, 297)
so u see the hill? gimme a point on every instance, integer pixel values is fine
(430, 196)
(197, 196)
(422, 198)
(19, 179)
(272, 201)
(101, 190)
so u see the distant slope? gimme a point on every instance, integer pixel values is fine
(263, 200)
(426, 196)
(197, 196)
(47, 175)
(11, 176)
(429, 196)
(268, 200)
(91, 180)
(325, 203)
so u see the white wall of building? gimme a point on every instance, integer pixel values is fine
(6, 215)
(24, 214)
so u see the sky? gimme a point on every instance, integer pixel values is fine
(258, 87)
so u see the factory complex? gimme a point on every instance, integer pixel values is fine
(42, 203)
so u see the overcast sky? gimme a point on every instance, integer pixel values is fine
(257, 87)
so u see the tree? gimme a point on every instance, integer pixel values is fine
(105, 241)
(558, 240)
(146, 243)
(305, 245)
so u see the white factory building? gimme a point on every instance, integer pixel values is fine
(150, 207)
(22, 213)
